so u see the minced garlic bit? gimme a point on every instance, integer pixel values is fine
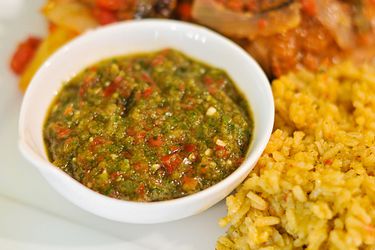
(186, 161)
(208, 152)
(211, 111)
(220, 143)
(155, 167)
(192, 157)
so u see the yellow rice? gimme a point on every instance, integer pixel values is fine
(314, 186)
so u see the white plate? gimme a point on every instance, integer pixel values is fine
(32, 214)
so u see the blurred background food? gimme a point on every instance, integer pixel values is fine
(282, 35)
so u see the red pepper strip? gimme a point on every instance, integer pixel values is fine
(24, 54)
(108, 91)
(146, 77)
(62, 132)
(68, 110)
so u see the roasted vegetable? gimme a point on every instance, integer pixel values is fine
(71, 15)
(24, 54)
(266, 22)
(53, 41)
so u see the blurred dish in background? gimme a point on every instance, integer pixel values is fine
(283, 35)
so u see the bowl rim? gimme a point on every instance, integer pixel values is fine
(250, 159)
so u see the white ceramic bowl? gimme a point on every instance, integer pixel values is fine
(126, 38)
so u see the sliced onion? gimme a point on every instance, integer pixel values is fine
(337, 19)
(246, 25)
(72, 15)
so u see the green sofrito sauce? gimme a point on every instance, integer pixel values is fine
(148, 127)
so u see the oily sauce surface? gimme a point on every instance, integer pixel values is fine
(148, 127)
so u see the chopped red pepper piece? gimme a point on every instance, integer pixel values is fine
(140, 167)
(147, 78)
(155, 141)
(221, 152)
(98, 140)
(115, 175)
(68, 110)
(84, 87)
(189, 183)
(208, 80)
(115, 84)
(190, 148)
(171, 162)
(147, 92)
(157, 60)
(108, 91)
(141, 190)
(140, 136)
(62, 132)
